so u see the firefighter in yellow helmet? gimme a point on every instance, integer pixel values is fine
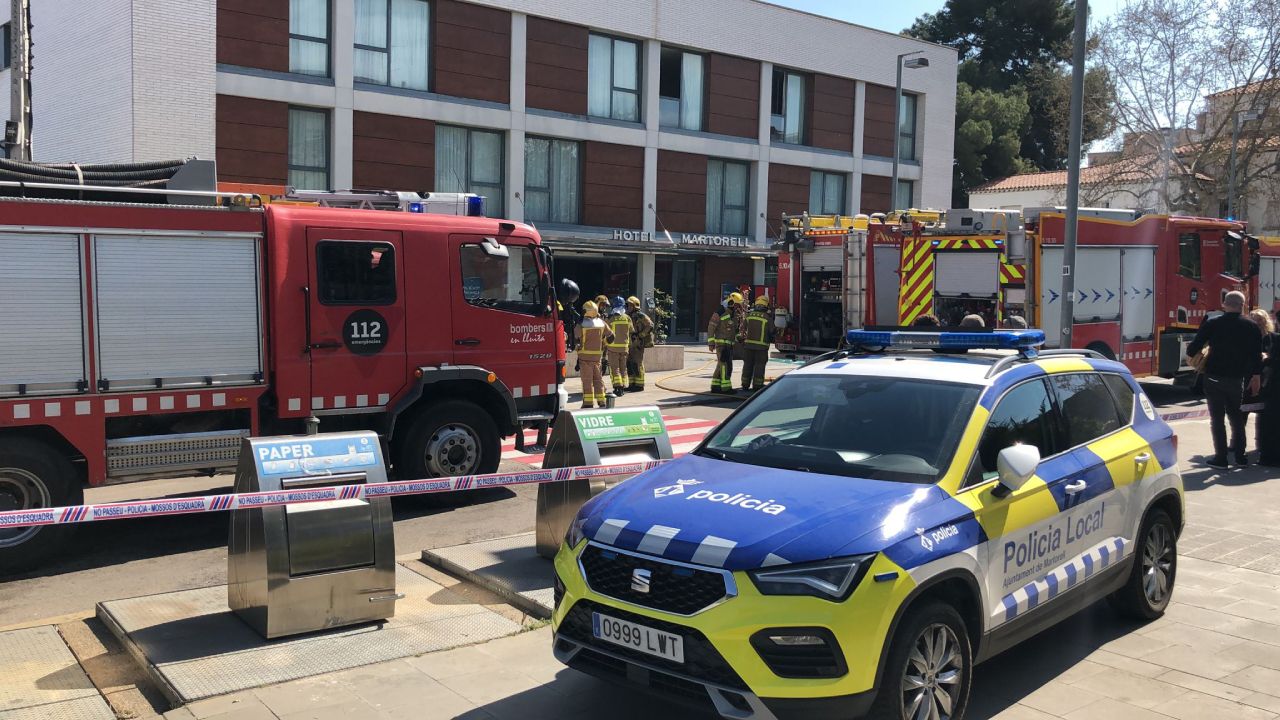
(641, 338)
(758, 331)
(619, 346)
(722, 333)
(602, 304)
(591, 335)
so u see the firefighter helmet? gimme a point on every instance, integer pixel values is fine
(618, 304)
(569, 290)
(633, 301)
(735, 298)
(589, 309)
(762, 301)
(602, 301)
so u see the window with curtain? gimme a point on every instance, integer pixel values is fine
(552, 181)
(907, 128)
(728, 188)
(308, 149)
(392, 43)
(906, 195)
(469, 160)
(309, 37)
(680, 90)
(787, 121)
(826, 193)
(613, 78)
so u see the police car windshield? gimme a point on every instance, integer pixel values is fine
(878, 428)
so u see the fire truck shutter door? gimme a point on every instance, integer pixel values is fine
(829, 258)
(1267, 279)
(1051, 294)
(966, 272)
(41, 323)
(1137, 297)
(177, 309)
(886, 261)
(1097, 284)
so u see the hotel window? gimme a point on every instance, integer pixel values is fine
(680, 90)
(826, 193)
(392, 43)
(613, 78)
(308, 149)
(906, 195)
(787, 123)
(552, 181)
(309, 37)
(471, 161)
(907, 128)
(728, 188)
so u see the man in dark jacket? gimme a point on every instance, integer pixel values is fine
(1235, 359)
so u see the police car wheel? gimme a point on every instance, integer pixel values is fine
(34, 476)
(448, 439)
(1155, 568)
(930, 668)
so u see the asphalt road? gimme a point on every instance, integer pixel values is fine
(129, 558)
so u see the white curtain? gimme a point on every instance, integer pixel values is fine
(691, 92)
(371, 29)
(715, 195)
(833, 197)
(537, 180)
(451, 159)
(626, 78)
(410, 39)
(486, 169)
(309, 17)
(599, 75)
(795, 109)
(736, 188)
(308, 149)
(564, 179)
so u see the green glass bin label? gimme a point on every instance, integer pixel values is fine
(620, 425)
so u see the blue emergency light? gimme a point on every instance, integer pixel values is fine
(417, 207)
(475, 206)
(1021, 340)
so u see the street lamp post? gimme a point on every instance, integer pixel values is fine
(897, 110)
(1243, 116)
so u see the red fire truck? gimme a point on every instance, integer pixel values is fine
(1143, 283)
(146, 340)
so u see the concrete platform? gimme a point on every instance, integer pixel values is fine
(194, 647)
(507, 566)
(43, 681)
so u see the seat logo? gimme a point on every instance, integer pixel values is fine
(640, 580)
(677, 489)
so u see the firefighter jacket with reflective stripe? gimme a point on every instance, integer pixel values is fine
(723, 328)
(592, 335)
(620, 326)
(757, 328)
(642, 329)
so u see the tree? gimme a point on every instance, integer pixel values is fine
(1184, 71)
(1014, 49)
(989, 128)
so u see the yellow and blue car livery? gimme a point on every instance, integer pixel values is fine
(785, 589)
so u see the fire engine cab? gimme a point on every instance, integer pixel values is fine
(146, 339)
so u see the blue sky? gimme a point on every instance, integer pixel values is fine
(896, 15)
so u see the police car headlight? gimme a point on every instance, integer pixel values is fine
(574, 534)
(829, 579)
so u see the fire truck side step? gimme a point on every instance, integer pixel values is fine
(539, 420)
(151, 454)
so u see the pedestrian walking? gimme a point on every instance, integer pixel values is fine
(1253, 403)
(641, 338)
(617, 348)
(1234, 363)
(759, 333)
(722, 333)
(591, 335)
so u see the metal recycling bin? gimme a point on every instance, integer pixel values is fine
(314, 565)
(610, 436)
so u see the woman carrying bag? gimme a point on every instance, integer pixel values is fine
(1267, 402)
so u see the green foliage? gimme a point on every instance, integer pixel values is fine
(1014, 98)
(662, 316)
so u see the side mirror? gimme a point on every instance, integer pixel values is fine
(1015, 465)
(493, 248)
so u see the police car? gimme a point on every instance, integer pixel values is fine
(858, 535)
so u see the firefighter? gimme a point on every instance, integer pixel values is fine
(759, 333)
(602, 303)
(590, 336)
(566, 304)
(641, 338)
(723, 332)
(620, 345)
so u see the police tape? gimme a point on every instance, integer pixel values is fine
(244, 501)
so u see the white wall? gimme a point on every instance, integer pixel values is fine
(82, 81)
(174, 79)
(6, 76)
(1013, 199)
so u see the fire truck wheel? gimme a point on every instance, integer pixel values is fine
(34, 476)
(448, 439)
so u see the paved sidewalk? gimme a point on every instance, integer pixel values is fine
(1215, 654)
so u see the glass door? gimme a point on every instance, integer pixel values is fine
(685, 289)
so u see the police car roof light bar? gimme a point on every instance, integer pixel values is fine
(1025, 342)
